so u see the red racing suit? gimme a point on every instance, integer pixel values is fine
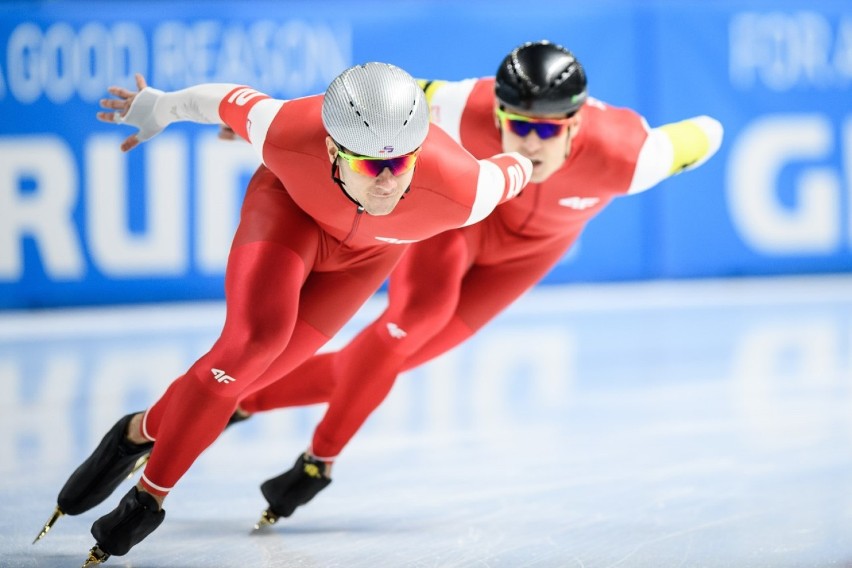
(447, 287)
(304, 258)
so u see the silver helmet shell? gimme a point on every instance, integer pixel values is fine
(376, 110)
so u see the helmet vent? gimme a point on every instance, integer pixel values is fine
(358, 114)
(562, 76)
(518, 71)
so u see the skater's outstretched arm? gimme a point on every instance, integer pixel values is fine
(152, 110)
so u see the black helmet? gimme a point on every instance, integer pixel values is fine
(541, 78)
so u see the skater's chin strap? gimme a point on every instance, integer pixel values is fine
(335, 171)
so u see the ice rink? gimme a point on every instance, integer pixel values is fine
(693, 424)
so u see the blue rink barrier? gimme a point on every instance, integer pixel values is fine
(81, 223)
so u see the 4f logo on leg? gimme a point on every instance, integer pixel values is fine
(395, 331)
(222, 377)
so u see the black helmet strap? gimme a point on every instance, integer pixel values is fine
(335, 173)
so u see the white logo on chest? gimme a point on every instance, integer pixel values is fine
(394, 241)
(579, 203)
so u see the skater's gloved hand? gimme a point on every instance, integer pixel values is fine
(137, 109)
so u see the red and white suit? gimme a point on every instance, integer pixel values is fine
(447, 287)
(304, 259)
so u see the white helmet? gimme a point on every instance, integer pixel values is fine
(376, 110)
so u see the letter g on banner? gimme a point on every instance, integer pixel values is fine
(766, 146)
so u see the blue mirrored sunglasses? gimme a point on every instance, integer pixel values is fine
(522, 125)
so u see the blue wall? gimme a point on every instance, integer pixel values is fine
(82, 223)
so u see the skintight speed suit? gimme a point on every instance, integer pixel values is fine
(449, 286)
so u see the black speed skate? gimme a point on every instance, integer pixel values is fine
(114, 460)
(136, 516)
(293, 488)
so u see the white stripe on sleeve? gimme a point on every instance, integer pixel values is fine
(489, 191)
(654, 163)
(447, 106)
(260, 118)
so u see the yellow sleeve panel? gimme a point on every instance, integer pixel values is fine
(690, 143)
(430, 87)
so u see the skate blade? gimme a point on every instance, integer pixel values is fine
(96, 556)
(267, 519)
(140, 463)
(49, 524)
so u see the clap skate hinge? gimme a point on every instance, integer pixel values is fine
(267, 519)
(96, 556)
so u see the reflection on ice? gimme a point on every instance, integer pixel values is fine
(633, 425)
